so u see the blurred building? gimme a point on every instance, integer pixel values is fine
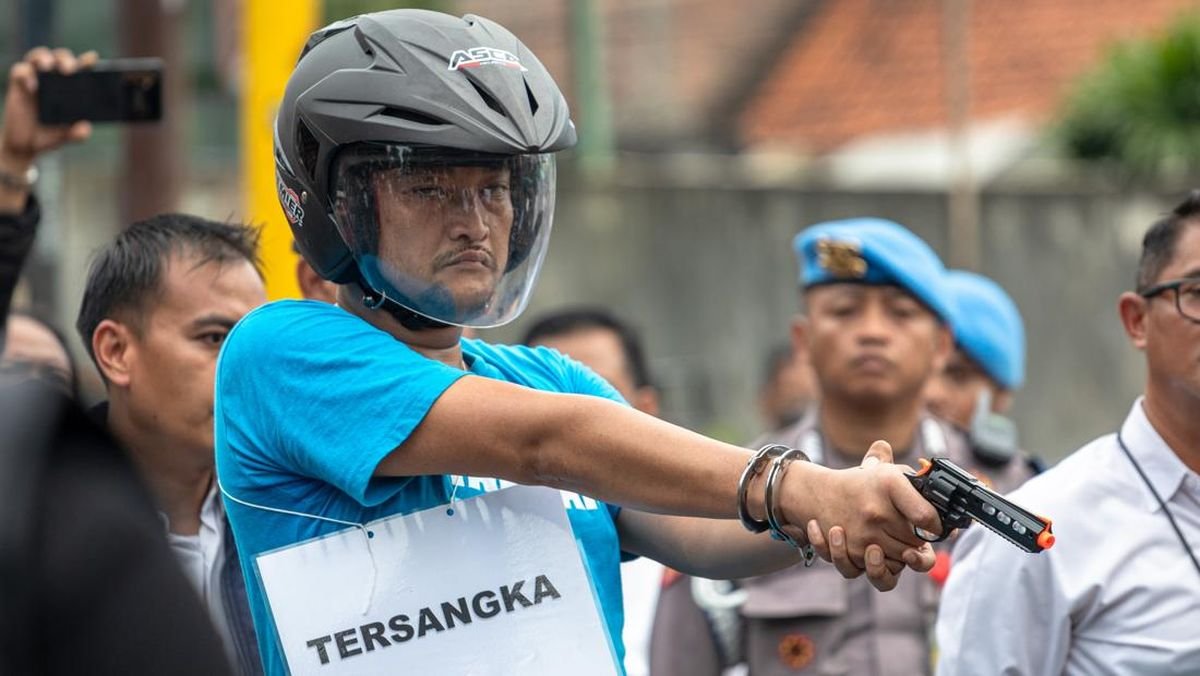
(733, 125)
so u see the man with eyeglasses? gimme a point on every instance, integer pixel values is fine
(1120, 593)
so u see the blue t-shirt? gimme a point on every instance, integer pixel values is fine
(309, 400)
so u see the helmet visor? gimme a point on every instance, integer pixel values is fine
(453, 235)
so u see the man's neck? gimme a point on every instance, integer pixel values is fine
(177, 479)
(1173, 413)
(851, 428)
(438, 344)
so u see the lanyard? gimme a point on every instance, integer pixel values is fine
(1178, 533)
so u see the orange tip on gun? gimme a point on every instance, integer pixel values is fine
(960, 498)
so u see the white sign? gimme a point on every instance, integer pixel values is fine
(490, 585)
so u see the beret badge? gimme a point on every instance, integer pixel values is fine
(843, 260)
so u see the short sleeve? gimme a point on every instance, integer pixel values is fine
(310, 389)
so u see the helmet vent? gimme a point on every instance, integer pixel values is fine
(411, 116)
(308, 147)
(488, 98)
(533, 104)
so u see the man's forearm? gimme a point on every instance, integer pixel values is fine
(596, 447)
(712, 548)
(17, 232)
(639, 461)
(586, 444)
(12, 197)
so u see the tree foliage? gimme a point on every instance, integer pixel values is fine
(1138, 113)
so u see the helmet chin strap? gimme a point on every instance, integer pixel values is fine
(374, 300)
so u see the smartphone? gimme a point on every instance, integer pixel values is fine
(116, 90)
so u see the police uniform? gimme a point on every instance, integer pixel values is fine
(812, 620)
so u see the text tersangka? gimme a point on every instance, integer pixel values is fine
(450, 614)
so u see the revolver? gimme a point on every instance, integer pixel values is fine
(960, 498)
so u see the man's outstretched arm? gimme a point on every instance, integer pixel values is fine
(723, 549)
(599, 448)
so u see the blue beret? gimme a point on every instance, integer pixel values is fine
(873, 251)
(988, 327)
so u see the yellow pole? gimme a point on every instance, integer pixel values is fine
(271, 41)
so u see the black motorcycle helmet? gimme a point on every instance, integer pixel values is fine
(453, 115)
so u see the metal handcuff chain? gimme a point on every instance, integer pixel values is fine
(779, 457)
(771, 503)
(1161, 503)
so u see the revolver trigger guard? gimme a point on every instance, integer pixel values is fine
(946, 531)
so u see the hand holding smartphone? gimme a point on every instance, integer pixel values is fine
(115, 90)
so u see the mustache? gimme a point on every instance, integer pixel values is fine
(452, 257)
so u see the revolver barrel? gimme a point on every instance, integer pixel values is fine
(960, 498)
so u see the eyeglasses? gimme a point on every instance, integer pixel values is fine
(1187, 296)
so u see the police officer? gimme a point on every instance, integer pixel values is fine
(877, 326)
(414, 156)
(975, 389)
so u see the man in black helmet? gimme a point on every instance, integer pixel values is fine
(414, 158)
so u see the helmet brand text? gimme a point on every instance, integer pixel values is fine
(483, 56)
(291, 204)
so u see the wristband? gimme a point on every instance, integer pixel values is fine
(19, 182)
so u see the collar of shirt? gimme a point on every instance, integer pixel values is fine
(1165, 471)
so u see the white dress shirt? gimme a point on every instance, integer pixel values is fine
(1116, 594)
(202, 558)
(641, 579)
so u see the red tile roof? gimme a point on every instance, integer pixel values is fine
(862, 67)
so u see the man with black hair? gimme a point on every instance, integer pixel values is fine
(977, 385)
(414, 157)
(1120, 591)
(876, 325)
(612, 349)
(87, 584)
(159, 301)
(603, 343)
(788, 386)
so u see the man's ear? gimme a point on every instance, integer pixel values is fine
(645, 399)
(800, 336)
(113, 345)
(943, 347)
(1132, 308)
(1002, 400)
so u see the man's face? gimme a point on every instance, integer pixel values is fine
(873, 345)
(953, 392)
(600, 350)
(173, 356)
(793, 387)
(1172, 342)
(446, 228)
